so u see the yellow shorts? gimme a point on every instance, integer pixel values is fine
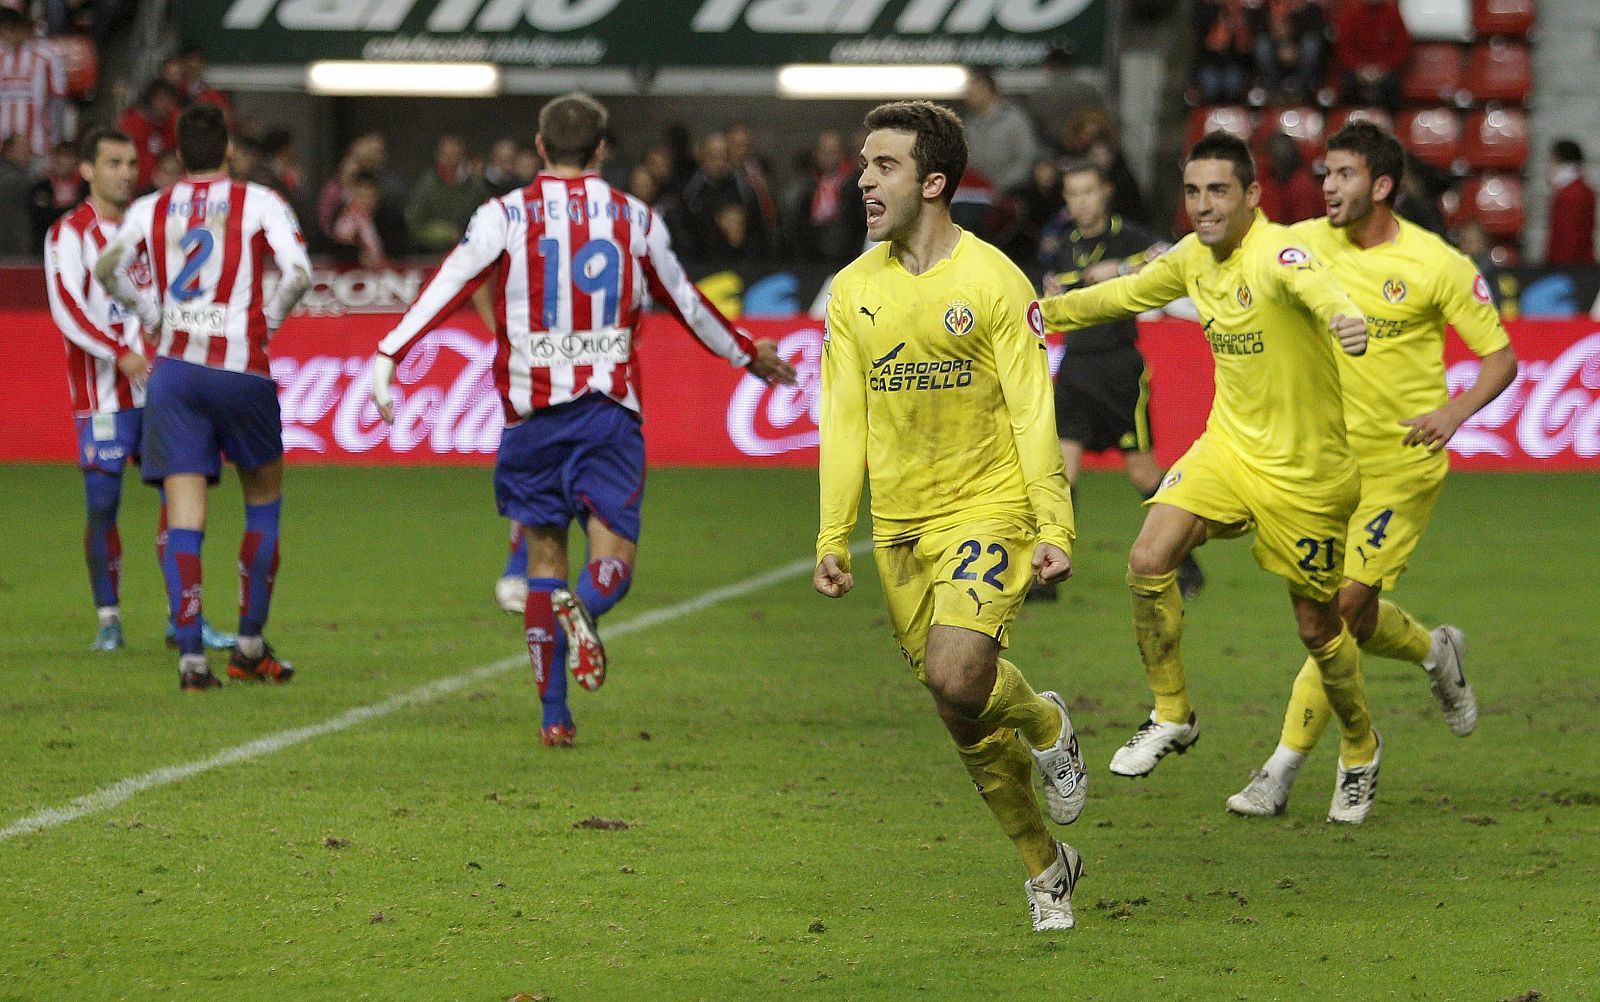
(1300, 534)
(973, 576)
(1396, 506)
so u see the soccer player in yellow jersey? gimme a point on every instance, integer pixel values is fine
(935, 378)
(1398, 411)
(1273, 456)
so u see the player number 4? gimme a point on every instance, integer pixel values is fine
(1320, 554)
(1378, 528)
(971, 550)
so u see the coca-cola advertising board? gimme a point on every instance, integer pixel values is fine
(699, 411)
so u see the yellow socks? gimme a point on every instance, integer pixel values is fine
(1158, 626)
(1398, 636)
(1004, 773)
(1014, 704)
(1308, 713)
(1339, 661)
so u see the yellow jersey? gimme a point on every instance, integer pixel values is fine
(939, 385)
(1265, 311)
(1408, 288)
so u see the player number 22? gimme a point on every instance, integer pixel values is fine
(972, 549)
(1317, 550)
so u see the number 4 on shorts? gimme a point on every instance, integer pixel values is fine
(1378, 528)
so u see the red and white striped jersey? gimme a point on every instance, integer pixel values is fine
(208, 242)
(97, 329)
(31, 77)
(573, 258)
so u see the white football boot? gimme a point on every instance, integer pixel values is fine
(1050, 893)
(1355, 789)
(1449, 684)
(1066, 780)
(511, 594)
(1262, 797)
(1151, 743)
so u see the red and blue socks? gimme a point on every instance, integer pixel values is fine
(547, 651)
(181, 567)
(102, 545)
(517, 556)
(258, 565)
(603, 584)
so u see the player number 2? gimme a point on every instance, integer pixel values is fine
(1378, 528)
(197, 245)
(1315, 549)
(971, 551)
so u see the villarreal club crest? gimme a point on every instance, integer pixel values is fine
(1394, 290)
(959, 319)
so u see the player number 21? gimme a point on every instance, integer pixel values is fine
(1319, 554)
(971, 550)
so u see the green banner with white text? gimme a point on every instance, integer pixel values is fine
(627, 33)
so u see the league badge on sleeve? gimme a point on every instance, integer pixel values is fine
(1480, 290)
(1291, 256)
(1036, 319)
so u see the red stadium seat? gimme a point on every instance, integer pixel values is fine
(1435, 73)
(1499, 71)
(1432, 135)
(1502, 17)
(1232, 118)
(1339, 116)
(1495, 138)
(82, 64)
(1303, 125)
(1496, 201)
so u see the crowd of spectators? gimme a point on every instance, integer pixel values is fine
(1292, 52)
(734, 196)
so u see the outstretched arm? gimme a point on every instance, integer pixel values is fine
(1023, 368)
(843, 459)
(455, 279)
(1156, 284)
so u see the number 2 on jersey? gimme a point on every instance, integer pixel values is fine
(197, 245)
(596, 268)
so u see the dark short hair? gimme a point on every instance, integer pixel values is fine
(89, 146)
(1221, 145)
(202, 138)
(158, 88)
(1384, 155)
(1083, 165)
(940, 146)
(572, 126)
(1566, 151)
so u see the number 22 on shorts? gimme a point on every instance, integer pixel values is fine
(970, 551)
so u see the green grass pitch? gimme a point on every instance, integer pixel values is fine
(792, 823)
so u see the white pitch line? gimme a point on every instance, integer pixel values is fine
(108, 797)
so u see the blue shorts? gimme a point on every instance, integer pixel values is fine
(572, 461)
(107, 441)
(194, 414)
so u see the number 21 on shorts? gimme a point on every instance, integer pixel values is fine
(1318, 554)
